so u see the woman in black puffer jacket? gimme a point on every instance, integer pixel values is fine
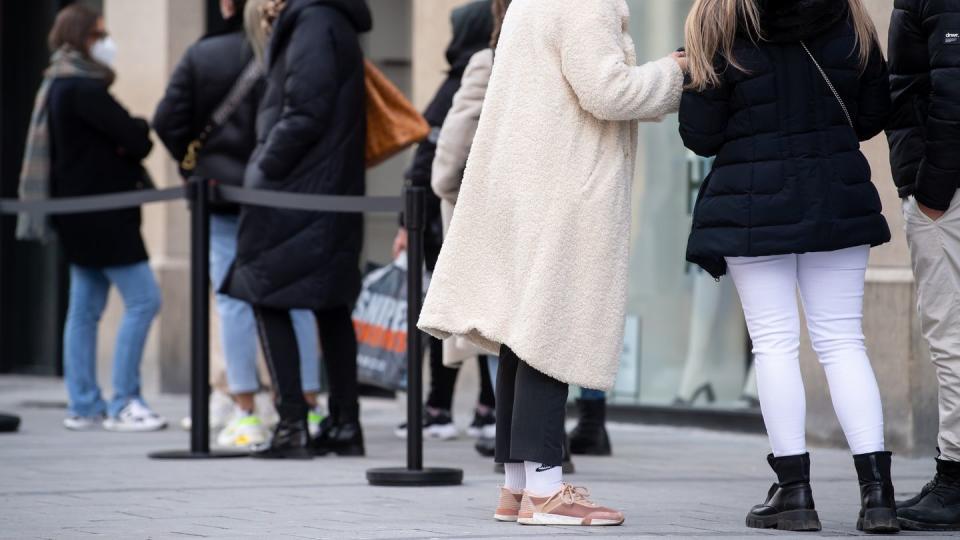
(790, 204)
(311, 139)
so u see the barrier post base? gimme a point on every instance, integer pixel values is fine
(400, 476)
(189, 454)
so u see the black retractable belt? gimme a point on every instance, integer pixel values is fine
(414, 474)
(199, 192)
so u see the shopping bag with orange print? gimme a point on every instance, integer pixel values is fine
(380, 320)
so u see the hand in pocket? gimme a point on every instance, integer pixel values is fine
(934, 215)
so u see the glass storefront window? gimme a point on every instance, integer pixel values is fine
(685, 341)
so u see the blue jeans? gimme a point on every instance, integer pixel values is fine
(238, 328)
(88, 298)
(587, 394)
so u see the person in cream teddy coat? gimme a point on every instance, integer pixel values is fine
(534, 267)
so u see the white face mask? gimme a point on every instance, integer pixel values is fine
(104, 51)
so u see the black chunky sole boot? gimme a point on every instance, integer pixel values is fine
(789, 505)
(790, 520)
(878, 511)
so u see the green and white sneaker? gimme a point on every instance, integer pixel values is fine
(314, 417)
(244, 431)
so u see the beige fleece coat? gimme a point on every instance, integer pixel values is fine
(536, 256)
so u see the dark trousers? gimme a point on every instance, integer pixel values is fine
(531, 408)
(443, 380)
(338, 343)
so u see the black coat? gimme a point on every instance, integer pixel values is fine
(472, 28)
(311, 138)
(789, 176)
(199, 84)
(97, 148)
(924, 133)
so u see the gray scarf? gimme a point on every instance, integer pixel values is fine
(35, 172)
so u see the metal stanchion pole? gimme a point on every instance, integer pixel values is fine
(199, 331)
(414, 474)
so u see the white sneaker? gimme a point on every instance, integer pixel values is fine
(263, 403)
(135, 416)
(82, 423)
(221, 412)
(244, 431)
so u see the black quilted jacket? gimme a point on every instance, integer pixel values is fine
(311, 137)
(789, 176)
(924, 133)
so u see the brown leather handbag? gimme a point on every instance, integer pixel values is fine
(393, 124)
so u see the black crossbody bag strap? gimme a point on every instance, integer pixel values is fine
(241, 89)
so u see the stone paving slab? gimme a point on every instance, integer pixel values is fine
(670, 482)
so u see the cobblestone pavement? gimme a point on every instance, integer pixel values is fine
(678, 483)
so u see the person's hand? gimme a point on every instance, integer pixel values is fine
(681, 59)
(934, 215)
(400, 243)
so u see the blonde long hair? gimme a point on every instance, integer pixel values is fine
(258, 19)
(712, 28)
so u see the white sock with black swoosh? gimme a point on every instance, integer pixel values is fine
(542, 480)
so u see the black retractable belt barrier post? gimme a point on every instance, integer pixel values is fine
(199, 331)
(414, 474)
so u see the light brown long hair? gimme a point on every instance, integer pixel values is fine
(73, 27)
(712, 27)
(499, 13)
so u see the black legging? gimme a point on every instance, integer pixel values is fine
(338, 343)
(443, 380)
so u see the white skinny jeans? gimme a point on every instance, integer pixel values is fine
(831, 287)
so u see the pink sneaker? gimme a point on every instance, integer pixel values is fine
(569, 506)
(509, 505)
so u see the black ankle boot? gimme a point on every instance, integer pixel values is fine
(938, 509)
(923, 491)
(291, 440)
(878, 510)
(789, 505)
(486, 446)
(589, 437)
(567, 464)
(340, 438)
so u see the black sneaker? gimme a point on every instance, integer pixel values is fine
(484, 425)
(437, 424)
(939, 507)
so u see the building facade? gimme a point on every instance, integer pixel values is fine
(686, 347)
